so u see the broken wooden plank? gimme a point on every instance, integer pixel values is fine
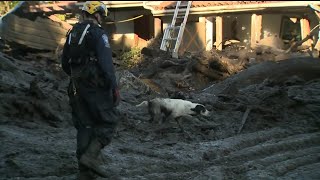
(38, 23)
(42, 33)
(31, 40)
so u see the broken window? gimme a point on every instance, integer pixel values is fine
(290, 29)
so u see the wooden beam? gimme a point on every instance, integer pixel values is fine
(209, 33)
(256, 27)
(305, 30)
(219, 33)
(237, 7)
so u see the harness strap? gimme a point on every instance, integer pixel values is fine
(69, 40)
(80, 41)
(83, 34)
(73, 85)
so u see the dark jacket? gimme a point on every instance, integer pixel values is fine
(103, 68)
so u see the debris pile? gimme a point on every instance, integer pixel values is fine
(37, 32)
(264, 119)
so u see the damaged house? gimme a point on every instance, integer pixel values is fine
(34, 25)
(211, 24)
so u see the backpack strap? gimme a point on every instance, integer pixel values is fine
(84, 32)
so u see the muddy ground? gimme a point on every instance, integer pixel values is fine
(264, 123)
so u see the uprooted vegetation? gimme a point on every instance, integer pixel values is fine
(130, 58)
(265, 120)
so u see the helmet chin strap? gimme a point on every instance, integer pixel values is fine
(93, 17)
(98, 20)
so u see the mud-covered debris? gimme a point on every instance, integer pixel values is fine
(263, 123)
(272, 42)
(43, 33)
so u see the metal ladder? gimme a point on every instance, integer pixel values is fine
(170, 30)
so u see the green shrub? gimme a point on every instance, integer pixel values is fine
(131, 58)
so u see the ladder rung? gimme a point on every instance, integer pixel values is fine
(171, 39)
(183, 5)
(180, 16)
(175, 27)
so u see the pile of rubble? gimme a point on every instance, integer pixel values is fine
(194, 71)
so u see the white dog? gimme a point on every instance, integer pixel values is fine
(173, 109)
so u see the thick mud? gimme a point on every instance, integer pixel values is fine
(264, 124)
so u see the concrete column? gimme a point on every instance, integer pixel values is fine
(317, 43)
(209, 33)
(256, 27)
(305, 30)
(202, 19)
(219, 33)
(136, 40)
(157, 26)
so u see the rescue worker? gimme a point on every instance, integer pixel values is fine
(93, 90)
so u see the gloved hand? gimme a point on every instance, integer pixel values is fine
(116, 96)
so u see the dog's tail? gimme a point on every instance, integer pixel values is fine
(144, 103)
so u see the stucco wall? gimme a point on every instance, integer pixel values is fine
(124, 36)
(198, 30)
(244, 27)
(271, 24)
(194, 38)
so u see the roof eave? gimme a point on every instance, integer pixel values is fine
(234, 8)
(119, 4)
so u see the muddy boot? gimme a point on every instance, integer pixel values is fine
(90, 160)
(86, 175)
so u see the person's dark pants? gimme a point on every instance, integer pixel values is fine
(93, 117)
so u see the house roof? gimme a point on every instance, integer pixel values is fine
(118, 4)
(68, 6)
(166, 5)
(163, 8)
